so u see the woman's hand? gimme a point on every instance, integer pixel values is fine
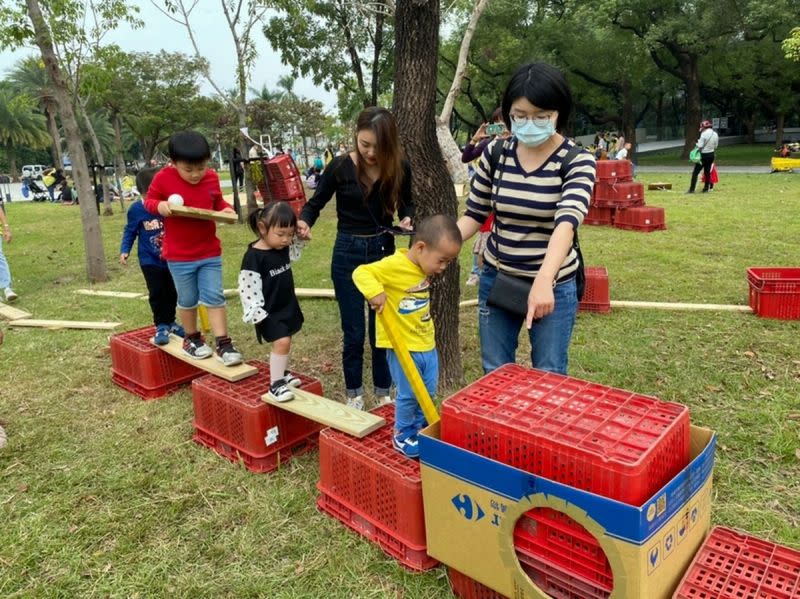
(405, 224)
(303, 230)
(479, 134)
(541, 300)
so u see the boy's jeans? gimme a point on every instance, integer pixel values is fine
(549, 336)
(5, 273)
(409, 418)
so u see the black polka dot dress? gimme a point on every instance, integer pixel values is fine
(266, 290)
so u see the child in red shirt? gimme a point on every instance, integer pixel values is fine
(191, 248)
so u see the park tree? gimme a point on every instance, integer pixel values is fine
(791, 45)
(29, 77)
(21, 125)
(416, 61)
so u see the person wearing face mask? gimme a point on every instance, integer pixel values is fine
(372, 184)
(538, 205)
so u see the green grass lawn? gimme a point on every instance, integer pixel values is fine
(738, 155)
(102, 494)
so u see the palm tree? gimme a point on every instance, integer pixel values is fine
(20, 124)
(266, 94)
(29, 77)
(286, 83)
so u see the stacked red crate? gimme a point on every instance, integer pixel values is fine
(736, 565)
(140, 367)
(284, 178)
(374, 490)
(231, 419)
(641, 218)
(465, 587)
(600, 439)
(596, 295)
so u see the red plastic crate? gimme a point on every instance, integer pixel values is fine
(465, 587)
(618, 194)
(614, 170)
(642, 218)
(734, 565)
(376, 491)
(232, 419)
(545, 536)
(140, 367)
(775, 292)
(559, 584)
(596, 297)
(281, 167)
(599, 216)
(608, 441)
(284, 190)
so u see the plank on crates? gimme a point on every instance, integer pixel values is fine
(12, 313)
(63, 324)
(118, 294)
(680, 306)
(357, 423)
(211, 364)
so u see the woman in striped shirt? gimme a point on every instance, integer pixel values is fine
(537, 211)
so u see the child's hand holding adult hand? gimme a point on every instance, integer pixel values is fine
(164, 209)
(378, 302)
(123, 259)
(303, 230)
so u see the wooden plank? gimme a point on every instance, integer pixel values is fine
(468, 303)
(299, 291)
(211, 364)
(658, 186)
(187, 212)
(357, 423)
(118, 294)
(407, 364)
(63, 324)
(12, 313)
(680, 306)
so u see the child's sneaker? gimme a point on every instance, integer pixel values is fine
(10, 295)
(385, 400)
(280, 391)
(177, 329)
(228, 354)
(162, 334)
(408, 446)
(356, 402)
(291, 379)
(195, 347)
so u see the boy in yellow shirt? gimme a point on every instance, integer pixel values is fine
(400, 283)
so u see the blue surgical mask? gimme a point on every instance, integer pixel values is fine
(530, 134)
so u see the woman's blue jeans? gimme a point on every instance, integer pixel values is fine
(550, 336)
(351, 251)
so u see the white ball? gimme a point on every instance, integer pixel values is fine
(175, 199)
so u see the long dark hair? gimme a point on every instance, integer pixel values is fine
(273, 214)
(388, 153)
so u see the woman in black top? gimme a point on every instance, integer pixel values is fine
(371, 184)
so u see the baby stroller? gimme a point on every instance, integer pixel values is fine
(37, 189)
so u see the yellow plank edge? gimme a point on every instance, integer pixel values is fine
(220, 217)
(100, 293)
(210, 364)
(63, 324)
(681, 306)
(409, 368)
(12, 313)
(357, 423)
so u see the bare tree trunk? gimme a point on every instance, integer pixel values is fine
(693, 106)
(416, 55)
(119, 159)
(376, 56)
(780, 123)
(52, 128)
(98, 152)
(93, 240)
(448, 145)
(11, 153)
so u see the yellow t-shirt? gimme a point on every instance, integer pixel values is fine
(407, 296)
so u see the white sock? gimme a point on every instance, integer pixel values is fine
(277, 366)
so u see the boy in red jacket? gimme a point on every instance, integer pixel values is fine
(191, 248)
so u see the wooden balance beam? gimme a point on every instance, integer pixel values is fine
(211, 365)
(658, 186)
(357, 423)
(12, 313)
(63, 324)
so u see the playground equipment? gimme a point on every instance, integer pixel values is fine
(784, 165)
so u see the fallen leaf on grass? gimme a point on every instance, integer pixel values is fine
(797, 453)
(749, 354)
(299, 569)
(793, 416)
(22, 488)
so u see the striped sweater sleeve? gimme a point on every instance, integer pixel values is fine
(576, 191)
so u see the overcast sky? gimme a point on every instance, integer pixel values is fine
(216, 45)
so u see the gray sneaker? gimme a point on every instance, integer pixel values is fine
(10, 295)
(196, 348)
(228, 355)
(356, 402)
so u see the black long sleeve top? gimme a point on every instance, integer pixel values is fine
(356, 215)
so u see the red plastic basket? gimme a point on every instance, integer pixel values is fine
(548, 537)
(775, 292)
(641, 218)
(232, 419)
(559, 584)
(614, 170)
(618, 194)
(596, 297)
(608, 441)
(465, 587)
(733, 565)
(284, 190)
(599, 216)
(140, 367)
(373, 489)
(281, 167)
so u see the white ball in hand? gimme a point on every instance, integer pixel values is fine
(175, 199)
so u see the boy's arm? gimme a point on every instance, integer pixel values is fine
(371, 278)
(128, 234)
(155, 195)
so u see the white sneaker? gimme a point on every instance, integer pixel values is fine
(356, 402)
(385, 400)
(10, 295)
